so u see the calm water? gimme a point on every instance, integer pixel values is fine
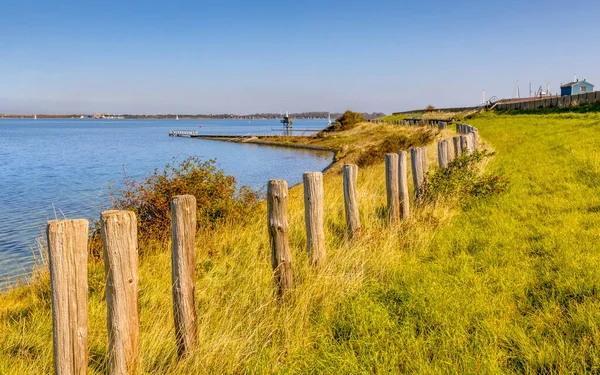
(50, 168)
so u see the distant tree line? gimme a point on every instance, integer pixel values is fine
(301, 115)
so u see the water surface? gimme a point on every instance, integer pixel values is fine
(55, 168)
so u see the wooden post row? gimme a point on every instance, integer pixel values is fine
(403, 185)
(351, 200)
(392, 186)
(183, 261)
(313, 217)
(281, 256)
(120, 253)
(67, 252)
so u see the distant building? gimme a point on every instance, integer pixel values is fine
(577, 87)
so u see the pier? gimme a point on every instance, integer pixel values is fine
(272, 133)
(183, 133)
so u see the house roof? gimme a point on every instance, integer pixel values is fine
(572, 83)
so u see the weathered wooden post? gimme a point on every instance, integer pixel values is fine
(475, 139)
(416, 163)
(67, 252)
(424, 160)
(449, 155)
(313, 217)
(281, 256)
(391, 180)
(471, 142)
(351, 200)
(183, 261)
(456, 143)
(463, 144)
(443, 147)
(120, 253)
(403, 185)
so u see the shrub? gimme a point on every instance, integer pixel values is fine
(394, 143)
(345, 122)
(463, 178)
(217, 196)
(429, 108)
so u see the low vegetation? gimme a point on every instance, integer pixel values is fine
(488, 283)
(217, 196)
(464, 178)
(392, 143)
(346, 121)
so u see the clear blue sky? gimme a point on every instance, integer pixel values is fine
(267, 56)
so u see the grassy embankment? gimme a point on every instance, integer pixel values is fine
(426, 115)
(504, 284)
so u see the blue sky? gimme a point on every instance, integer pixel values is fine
(268, 56)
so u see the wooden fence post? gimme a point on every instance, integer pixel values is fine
(351, 201)
(424, 160)
(183, 261)
(67, 252)
(475, 139)
(416, 163)
(392, 185)
(443, 154)
(120, 253)
(456, 143)
(313, 217)
(463, 144)
(281, 256)
(403, 185)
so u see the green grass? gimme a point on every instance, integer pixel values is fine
(503, 284)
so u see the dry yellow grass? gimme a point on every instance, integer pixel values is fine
(504, 284)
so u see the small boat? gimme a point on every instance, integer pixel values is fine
(35, 117)
(329, 119)
(176, 117)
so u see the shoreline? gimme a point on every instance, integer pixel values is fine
(258, 141)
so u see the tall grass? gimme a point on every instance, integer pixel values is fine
(506, 283)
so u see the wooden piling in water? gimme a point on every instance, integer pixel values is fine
(313, 217)
(120, 253)
(404, 198)
(351, 200)
(67, 252)
(183, 261)
(392, 186)
(281, 256)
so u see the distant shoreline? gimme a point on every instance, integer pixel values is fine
(174, 116)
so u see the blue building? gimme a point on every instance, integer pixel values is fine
(577, 87)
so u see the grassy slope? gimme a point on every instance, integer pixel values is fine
(506, 284)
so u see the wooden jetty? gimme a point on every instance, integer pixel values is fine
(183, 133)
(280, 133)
